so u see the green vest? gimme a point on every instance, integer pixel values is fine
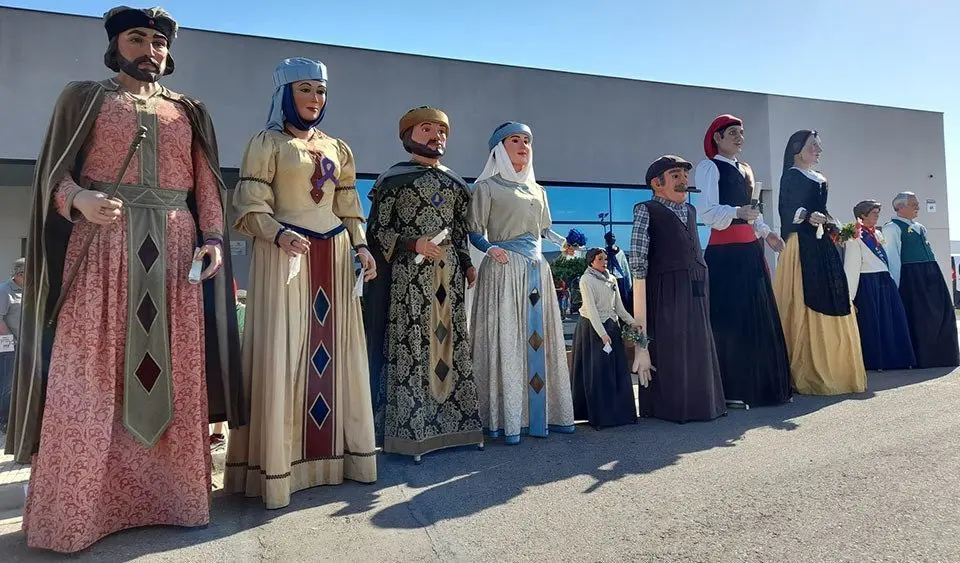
(914, 247)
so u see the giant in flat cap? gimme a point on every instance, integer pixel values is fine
(664, 163)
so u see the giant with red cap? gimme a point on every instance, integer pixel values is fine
(718, 126)
(746, 327)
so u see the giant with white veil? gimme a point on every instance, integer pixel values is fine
(519, 352)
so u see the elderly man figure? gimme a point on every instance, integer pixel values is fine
(926, 298)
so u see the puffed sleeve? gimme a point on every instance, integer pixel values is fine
(346, 202)
(478, 213)
(253, 198)
(546, 220)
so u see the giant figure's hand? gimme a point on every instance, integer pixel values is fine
(642, 366)
(293, 243)
(368, 263)
(97, 208)
(213, 250)
(747, 213)
(498, 254)
(775, 242)
(427, 248)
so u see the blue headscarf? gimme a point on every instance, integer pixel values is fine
(282, 107)
(505, 130)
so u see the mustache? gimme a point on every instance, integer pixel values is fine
(145, 59)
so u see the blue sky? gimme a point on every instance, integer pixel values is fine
(887, 52)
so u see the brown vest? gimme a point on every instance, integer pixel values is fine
(673, 245)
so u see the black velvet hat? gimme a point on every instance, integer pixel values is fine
(122, 18)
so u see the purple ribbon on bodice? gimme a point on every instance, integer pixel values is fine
(324, 169)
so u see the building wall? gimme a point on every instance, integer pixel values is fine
(587, 129)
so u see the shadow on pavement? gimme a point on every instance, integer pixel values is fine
(460, 482)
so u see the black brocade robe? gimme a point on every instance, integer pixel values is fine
(425, 396)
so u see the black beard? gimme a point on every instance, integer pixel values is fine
(133, 70)
(425, 151)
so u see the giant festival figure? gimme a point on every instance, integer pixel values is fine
(119, 356)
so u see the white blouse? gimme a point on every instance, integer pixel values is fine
(859, 259)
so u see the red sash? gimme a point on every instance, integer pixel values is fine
(734, 234)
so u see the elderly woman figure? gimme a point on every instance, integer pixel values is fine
(823, 340)
(602, 386)
(884, 334)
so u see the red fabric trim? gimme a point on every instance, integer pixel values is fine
(319, 440)
(734, 234)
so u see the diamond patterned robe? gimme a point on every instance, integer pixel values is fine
(430, 394)
(91, 477)
(304, 349)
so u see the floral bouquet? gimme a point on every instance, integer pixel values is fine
(576, 239)
(638, 337)
(847, 232)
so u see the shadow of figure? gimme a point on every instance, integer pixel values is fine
(461, 482)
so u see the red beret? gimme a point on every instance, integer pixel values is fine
(719, 124)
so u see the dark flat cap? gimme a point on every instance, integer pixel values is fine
(664, 163)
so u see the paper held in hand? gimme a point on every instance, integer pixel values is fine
(755, 198)
(196, 268)
(358, 287)
(7, 343)
(607, 348)
(435, 240)
(294, 269)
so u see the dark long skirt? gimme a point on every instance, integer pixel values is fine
(884, 334)
(929, 309)
(376, 303)
(602, 386)
(746, 325)
(686, 385)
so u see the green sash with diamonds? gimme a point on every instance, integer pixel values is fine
(147, 382)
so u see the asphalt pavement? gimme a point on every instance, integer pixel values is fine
(861, 478)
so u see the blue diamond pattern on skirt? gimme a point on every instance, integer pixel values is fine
(319, 411)
(321, 306)
(321, 358)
